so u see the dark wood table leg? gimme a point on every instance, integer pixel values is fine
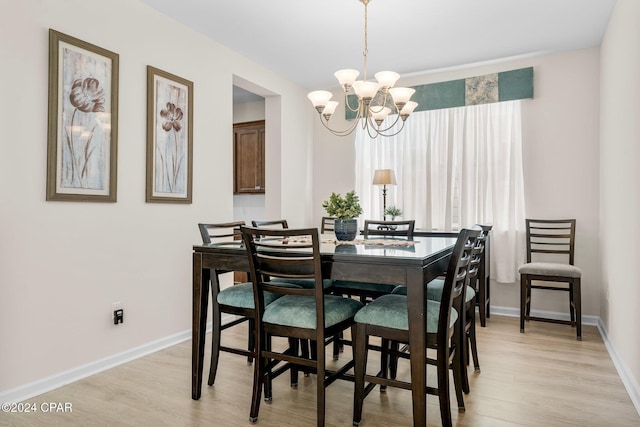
(199, 323)
(523, 300)
(417, 343)
(577, 295)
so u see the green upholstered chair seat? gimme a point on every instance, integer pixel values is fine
(434, 291)
(346, 285)
(300, 311)
(241, 295)
(304, 283)
(550, 269)
(390, 311)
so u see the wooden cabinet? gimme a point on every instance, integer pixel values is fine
(248, 158)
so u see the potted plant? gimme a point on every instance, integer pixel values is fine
(345, 210)
(393, 212)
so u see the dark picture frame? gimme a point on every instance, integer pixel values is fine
(82, 139)
(169, 137)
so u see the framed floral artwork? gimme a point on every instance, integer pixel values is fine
(83, 121)
(169, 137)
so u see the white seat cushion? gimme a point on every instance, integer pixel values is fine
(550, 269)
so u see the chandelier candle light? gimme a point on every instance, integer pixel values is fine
(376, 100)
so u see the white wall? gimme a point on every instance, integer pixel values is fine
(560, 151)
(62, 264)
(619, 175)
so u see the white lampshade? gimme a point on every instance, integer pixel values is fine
(380, 115)
(346, 77)
(408, 109)
(329, 109)
(401, 95)
(387, 78)
(384, 177)
(365, 90)
(319, 98)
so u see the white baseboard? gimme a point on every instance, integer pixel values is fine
(515, 312)
(630, 383)
(52, 382)
(627, 378)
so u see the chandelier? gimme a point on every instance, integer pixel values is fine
(376, 99)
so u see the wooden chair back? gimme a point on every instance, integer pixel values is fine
(327, 224)
(455, 281)
(278, 223)
(545, 236)
(477, 257)
(284, 254)
(212, 233)
(389, 228)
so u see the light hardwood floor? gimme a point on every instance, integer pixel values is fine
(541, 378)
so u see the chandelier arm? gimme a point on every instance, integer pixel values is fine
(386, 135)
(375, 109)
(374, 136)
(344, 132)
(391, 125)
(347, 105)
(364, 116)
(394, 134)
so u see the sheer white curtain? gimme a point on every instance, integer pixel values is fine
(454, 167)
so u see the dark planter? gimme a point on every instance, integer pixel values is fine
(346, 229)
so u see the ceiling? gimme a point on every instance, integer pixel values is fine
(307, 41)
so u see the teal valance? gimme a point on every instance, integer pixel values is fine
(496, 87)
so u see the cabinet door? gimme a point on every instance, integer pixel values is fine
(248, 150)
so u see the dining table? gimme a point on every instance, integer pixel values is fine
(412, 264)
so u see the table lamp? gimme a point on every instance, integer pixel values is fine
(384, 177)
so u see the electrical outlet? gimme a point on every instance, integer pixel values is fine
(118, 316)
(115, 306)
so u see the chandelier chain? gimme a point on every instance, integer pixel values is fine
(366, 50)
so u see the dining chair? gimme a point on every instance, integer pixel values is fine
(300, 314)
(468, 320)
(327, 225)
(466, 325)
(387, 318)
(374, 228)
(307, 347)
(369, 291)
(236, 300)
(551, 240)
(389, 228)
(483, 284)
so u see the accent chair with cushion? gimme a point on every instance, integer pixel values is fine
(551, 239)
